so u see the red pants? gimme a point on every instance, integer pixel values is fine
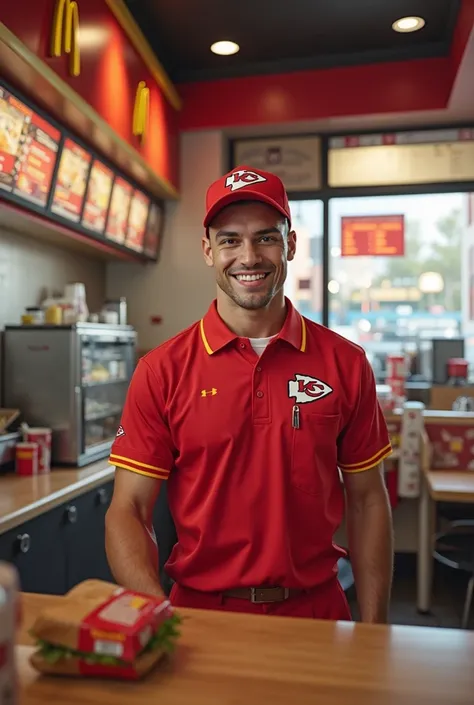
(326, 601)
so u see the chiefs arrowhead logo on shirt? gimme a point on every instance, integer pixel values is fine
(304, 389)
(120, 432)
(242, 178)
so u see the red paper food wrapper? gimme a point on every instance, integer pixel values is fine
(121, 627)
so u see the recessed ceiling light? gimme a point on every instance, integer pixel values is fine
(408, 24)
(225, 48)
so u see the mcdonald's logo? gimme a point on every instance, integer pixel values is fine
(65, 35)
(140, 110)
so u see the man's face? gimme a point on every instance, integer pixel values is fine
(249, 247)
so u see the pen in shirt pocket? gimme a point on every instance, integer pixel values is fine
(295, 416)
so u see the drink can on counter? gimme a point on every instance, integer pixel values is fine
(9, 617)
(41, 436)
(27, 458)
(398, 388)
(396, 367)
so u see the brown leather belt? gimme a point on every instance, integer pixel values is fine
(262, 595)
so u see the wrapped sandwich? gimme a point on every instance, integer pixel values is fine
(100, 629)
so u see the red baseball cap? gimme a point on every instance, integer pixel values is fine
(246, 184)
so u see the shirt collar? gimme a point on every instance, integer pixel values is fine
(215, 334)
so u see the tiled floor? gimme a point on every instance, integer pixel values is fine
(448, 596)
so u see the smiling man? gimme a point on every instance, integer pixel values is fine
(249, 415)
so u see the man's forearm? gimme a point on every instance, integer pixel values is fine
(132, 552)
(369, 528)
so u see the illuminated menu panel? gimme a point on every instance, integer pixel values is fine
(378, 236)
(153, 231)
(71, 181)
(137, 221)
(99, 189)
(28, 150)
(119, 209)
(387, 165)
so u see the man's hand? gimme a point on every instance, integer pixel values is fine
(369, 528)
(130, 539)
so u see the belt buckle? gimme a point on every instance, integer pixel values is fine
(261, 600)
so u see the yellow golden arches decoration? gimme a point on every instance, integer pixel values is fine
(65, 34)
(140, 110)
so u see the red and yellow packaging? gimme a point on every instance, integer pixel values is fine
(103, 630)
(27, 459)
(42, 437)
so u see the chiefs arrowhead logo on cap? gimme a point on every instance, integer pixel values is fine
(241, 178)
(246, 183)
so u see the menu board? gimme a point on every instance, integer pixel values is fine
(139, 207)
(71, 181)
(382, 236)
(153, 231)
(28, 150)
(387, 165)
(118, 212)
(97, 198)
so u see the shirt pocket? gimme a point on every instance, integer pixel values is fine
(314, 453)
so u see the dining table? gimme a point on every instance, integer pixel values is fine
(455, 486)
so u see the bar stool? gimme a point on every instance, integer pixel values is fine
(454, 548)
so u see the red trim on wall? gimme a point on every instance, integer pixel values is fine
(395, 87)
(423, 84)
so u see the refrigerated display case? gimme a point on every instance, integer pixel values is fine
(73, 379)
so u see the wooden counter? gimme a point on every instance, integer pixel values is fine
(228, 659)
(23, 498)
(451, 486)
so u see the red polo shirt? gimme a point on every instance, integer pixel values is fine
(253, 487)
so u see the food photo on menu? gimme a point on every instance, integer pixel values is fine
(28, 150)
(12, 122)
(118, 212)
(152, 239)
(97, 198)
(137, 221)
(71, 181)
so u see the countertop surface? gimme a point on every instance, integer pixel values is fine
(451, 486)
(228, 659)
(23, 498)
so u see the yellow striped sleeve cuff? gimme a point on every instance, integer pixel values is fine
(121, 461)
(370, 462)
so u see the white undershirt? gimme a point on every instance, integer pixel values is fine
(259, 344)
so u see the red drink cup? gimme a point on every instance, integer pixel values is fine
(27, 458)
(41, 436)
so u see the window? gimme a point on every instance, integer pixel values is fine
(390, 304)
(304, 282)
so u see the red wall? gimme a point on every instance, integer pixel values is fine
(110, 72)
(371, 89)
(423, 84)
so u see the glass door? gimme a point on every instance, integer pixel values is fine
(107, 365)
(391, 293)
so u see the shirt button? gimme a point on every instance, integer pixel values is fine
(242, 345)
(259, 394)
(259, 369)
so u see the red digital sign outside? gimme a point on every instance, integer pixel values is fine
(373, 236)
